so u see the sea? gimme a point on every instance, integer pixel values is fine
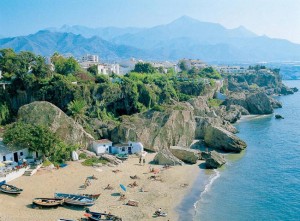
(262, 182)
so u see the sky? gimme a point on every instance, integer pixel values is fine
(274, 18)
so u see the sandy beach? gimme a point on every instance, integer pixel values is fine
(166, 194)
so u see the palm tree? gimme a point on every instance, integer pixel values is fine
(77, 109)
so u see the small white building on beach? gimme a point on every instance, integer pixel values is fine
(102, 146)
(128, 148)
(12, 154)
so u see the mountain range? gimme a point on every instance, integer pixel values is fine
(183, 38)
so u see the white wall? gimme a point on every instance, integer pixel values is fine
(10, 156)
(100, 148)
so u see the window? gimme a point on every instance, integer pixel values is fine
(21, 153)
(123, 149)
(4, 158)
(131, 144)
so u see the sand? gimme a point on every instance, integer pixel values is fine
(166, 194)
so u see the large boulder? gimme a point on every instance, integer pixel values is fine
(255, 103)
(165, 157)
(214, 160)
(275, 103)
(157, 130)
(185, 154)
(202, 123)
(259, 103)
(47, 114)
(219, 138)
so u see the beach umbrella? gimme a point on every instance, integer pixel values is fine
(123, 187)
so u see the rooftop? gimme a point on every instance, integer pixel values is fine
(4, 149)
(103, 141)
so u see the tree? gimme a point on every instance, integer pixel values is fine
(63, 65)
(93, 69)
(77, 109)
(183, 65)
(4, 113)
(39, 68)
(34, 137)
(144, 68)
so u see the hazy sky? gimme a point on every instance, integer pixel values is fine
(275, 18)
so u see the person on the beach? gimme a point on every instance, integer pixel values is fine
(140, 160)
(144, 161)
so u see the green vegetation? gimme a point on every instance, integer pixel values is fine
(93, 160)
(88, 96)
(4, 113)
(82, 156)
(214, 102)
(37, 138)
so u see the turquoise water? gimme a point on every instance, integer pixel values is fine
(263, 182)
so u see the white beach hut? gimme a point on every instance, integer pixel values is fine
(102, 146)
(127, 148)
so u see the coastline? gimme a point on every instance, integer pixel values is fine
(166, 194)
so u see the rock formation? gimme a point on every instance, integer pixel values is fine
(214, 160)
(219, 138)
(47, 114)
(186, 155)
(157, 130)
(165, 157)
(254, 103)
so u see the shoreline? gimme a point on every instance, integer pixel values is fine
(167, 194)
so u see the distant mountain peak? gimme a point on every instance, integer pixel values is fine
(185, 19)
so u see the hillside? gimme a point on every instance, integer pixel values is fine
(46, 43)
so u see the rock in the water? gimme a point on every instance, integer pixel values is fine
(259, 103)
(275, 103)
(285, 90)
(255, 103)
(222, 139)
(202, 123)
(165, 157)
(278, 116)
(185, 154)
(214, 160)
(47, 114)
(157, 130)
(294, 89)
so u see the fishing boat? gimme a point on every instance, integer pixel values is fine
(92, 196)
(75, 200)
(10, 189)
(122, 156)
(95, 216)
(47, 202)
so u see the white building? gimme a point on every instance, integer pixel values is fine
(109, 69)
(102, 146)
(128, 148)
(90, 58)
(14, 154)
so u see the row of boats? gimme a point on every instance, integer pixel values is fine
(60, 199)
(64, 198)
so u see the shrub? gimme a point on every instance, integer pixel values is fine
(93, 160)
(47, 163)
(82, 156)
(214, 102)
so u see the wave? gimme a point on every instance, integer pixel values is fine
(207, 187)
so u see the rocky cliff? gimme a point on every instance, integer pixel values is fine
(47, 114)
(157, 130)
